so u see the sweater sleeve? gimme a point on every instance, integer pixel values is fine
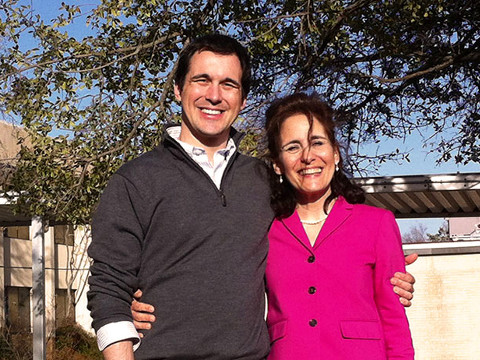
(390, 259)
(116, 252)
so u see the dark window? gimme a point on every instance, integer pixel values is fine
(18, 232)
(63, 234)
(63, 314)
(18, 308)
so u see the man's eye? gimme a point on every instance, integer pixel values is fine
(231, 85)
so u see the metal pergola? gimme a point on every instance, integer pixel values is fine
(422, 196)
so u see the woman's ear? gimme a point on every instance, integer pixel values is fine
(336, 156)
(277, 168)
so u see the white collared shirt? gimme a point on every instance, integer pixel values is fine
(199, 155)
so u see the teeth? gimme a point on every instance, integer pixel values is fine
(311, 171)
(211, 112)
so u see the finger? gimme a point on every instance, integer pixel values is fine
(142, 307)
(145, 317)
(141, 335)
(410, 259)
(405, 302)
(403, 293)
(138, 294)
(139, 325)
(403, 285)
(405, 277)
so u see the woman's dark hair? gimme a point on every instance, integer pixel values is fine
(218, 44)
(283, 198)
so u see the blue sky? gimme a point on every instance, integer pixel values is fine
(421, 162)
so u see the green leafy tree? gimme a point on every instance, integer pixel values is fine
(91, 103)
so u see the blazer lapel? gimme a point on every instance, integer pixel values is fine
(295, 227)
(340, 212)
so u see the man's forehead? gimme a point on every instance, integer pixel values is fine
(209, 63)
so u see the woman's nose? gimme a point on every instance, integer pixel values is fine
(307, 154)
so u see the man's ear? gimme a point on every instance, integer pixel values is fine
(178, 92)
(244, 103)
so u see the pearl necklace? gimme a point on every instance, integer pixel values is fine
(313, 222)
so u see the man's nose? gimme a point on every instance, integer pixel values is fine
(214, 94)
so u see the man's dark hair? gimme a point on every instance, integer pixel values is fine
(219, 44)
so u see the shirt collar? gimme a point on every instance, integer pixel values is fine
(174, 132)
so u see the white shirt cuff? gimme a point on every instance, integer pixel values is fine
(117, 331)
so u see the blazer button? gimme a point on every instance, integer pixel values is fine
(313, 323)
(312, 290)
(311, 259)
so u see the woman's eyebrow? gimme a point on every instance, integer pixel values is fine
(314, 137)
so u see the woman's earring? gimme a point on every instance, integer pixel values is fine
(281, 179)
(336, 167)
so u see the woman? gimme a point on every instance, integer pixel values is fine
(330, 259)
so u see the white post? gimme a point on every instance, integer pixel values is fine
(38, 273)
(49, 256)
(2, 280)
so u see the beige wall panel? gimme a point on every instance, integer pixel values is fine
(63, 253)
(20, 252)
(62, 279)
(82, 262)
(18, 277)
(445, 315)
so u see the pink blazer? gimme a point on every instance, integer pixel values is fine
(334, 300)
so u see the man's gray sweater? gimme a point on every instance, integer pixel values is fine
(197, 252)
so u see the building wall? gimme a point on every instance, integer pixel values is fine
(445, 317)
(9, 135)
(459, 227)
(65, 264)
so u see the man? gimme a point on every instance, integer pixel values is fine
(187, 224)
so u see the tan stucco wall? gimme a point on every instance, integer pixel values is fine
(9, 135)
(445, 315)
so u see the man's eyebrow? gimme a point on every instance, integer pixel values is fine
(206, 76)
(200, 76)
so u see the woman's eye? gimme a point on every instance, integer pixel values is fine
(318, 143)
(292, 148)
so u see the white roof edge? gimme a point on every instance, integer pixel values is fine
(442, 245)
(405, 183)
